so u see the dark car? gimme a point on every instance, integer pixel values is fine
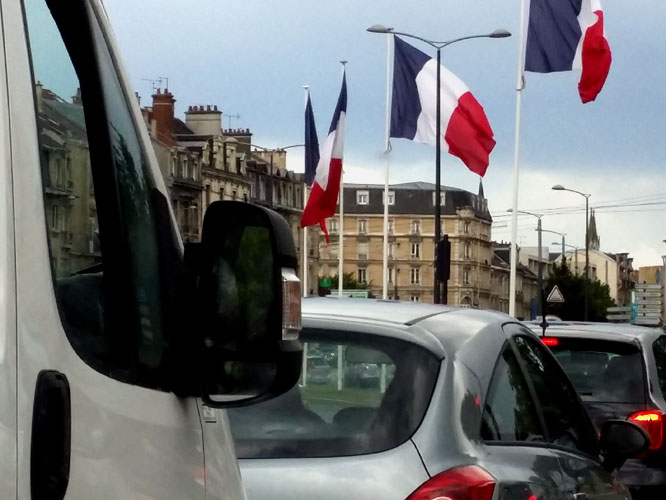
(468, 405)
(620, 372)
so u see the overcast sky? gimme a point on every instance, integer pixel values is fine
(252, 57)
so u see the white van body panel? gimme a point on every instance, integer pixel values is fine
(8, 429)
(128, 442)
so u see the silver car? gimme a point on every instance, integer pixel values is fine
(468, 405)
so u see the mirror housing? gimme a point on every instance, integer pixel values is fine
(247, 300)
(620, 440)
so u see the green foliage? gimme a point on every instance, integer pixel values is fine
(573, 290)
(349, 282)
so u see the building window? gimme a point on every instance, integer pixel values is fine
(391, 274)
(390, 226)
(442, 198)
(416, 227)
(173, 162)
(415, 276)
(55, 217)
(362, 275)
(466, 227)
(333, 226)
(362, 250)
(465, 276)
(468, 251)
(415, 298)
(416, 250)
(362, 226)
(391, 198)
(391, 251)
(362, 197)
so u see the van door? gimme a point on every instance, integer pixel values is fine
(7, 303)
(96, 418)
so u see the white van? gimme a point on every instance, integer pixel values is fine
(112, 333)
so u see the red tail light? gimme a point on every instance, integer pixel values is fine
(653, 422)
(462, 483)
(550, 341)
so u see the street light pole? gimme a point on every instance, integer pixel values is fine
(559, 187)
(540, 263)
(498, 33)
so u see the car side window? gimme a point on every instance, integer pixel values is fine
(567, 423)
(98, 197)
(659, 350)
(509, 413)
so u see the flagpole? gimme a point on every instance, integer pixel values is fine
(341, 258)
(520, 85)
(305, 228)
(387, 154)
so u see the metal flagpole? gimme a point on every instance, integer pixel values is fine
(438, 182)
(305, 229)
(341, 250)
(387, 154)
(516, 158)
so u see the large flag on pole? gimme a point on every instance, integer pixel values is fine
(324, 195)
(566, 35)
(414, 108)
(311, 144)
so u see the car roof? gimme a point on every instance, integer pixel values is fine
(618, 332)
(450, 327)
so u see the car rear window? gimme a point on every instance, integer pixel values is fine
(603, 371)
(369, 395)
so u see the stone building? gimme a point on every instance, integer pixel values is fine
(465, 218)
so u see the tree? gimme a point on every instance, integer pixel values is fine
(573, 290)
(349, 282)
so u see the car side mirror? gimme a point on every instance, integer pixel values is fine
(248, 302)
(620, 440)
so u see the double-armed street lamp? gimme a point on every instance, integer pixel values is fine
(559, 187)
(540, 264)
(438, 46)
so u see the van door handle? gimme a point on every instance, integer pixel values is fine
(50, 449)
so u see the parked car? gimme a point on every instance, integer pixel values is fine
(317, 370)
(470, 405)
(620, 372)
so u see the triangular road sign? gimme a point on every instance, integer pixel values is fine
(555, 295)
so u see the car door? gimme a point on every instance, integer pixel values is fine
(96, 419)
(7, 302)
(569, 431)
(517, 453)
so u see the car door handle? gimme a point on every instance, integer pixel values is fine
(51, 437)
(580, 496)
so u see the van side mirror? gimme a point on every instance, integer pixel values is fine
(248, 302)
(620, 440)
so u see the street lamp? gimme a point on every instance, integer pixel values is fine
(498, 33)
(559, 187)
(575, 254)
(540, 265)
(561, 235)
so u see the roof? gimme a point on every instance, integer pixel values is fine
(179, 127)
(449, 327)
(621, 332)
(414, 198)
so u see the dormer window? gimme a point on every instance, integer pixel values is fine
(362, 197)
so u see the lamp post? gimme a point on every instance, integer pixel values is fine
(540, 264)
(498, 33)
(575, 255)
(559, 187)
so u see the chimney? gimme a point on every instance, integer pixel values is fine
(163, 113)
(204, 120)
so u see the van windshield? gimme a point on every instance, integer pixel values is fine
(358, 394)
(603, 371)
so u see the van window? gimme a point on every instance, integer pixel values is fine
(374, 403)
(97, 196)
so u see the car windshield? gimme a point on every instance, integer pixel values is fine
(601, 371)
(368, 394)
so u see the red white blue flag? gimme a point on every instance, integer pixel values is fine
(311, 144)
(414, 108)
(566, 35)
(326, 187)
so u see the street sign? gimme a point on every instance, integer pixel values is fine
(555, 296)
(626, 309)
(646, 286)
(355, 294)
(325, 282)
(618, 317)
(646, 322)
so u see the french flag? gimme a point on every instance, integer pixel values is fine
(324, 195)
(311, 144)
(414, 108)
(566, 35)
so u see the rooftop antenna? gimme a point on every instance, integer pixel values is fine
(155, 83)
(164, 79)
(230, 117)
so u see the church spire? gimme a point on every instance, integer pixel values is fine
(593, 238)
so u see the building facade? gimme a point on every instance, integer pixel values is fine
(465, 219)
